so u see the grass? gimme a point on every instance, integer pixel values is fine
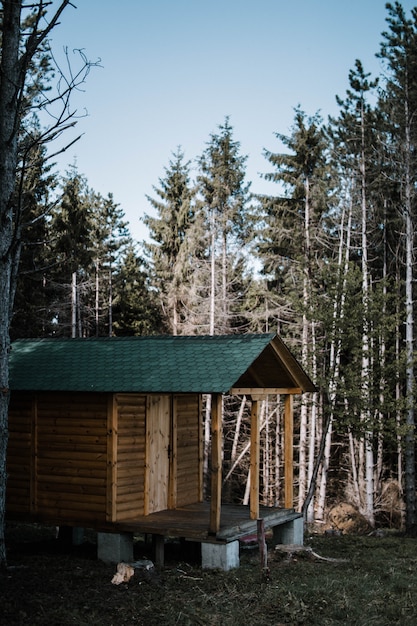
(373, 582)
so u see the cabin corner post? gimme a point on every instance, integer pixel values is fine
(288, 452)
(216, 462)
(34, 456)
(254, 460)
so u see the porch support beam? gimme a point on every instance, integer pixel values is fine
(288, 452)
(216, 462)
(254, 460)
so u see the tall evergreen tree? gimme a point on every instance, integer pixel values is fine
(289, 246)
(136, 310)
(356, 142)
(399, 103)
(110, 238)
(31, 308)
(172, 246)
(225, 197)
(73, 249)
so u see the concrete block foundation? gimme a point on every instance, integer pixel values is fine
(115, 547)
(223, 556)
(290, 533)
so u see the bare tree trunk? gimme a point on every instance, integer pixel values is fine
(410, 477)
(398, 416)
(15, 63)
(302, 452)
(74, 305)
(10, 80)
(313, 428)
(110, 302)
(355, 481)
(365, 373)
(335, 350)
(278, 448)
(266, 462)
(97, 299)
(237, 429)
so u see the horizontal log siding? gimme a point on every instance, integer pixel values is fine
(188, 479)
(19, 454)
(71, 457)
(130, 462)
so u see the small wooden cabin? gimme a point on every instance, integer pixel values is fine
(107, 432)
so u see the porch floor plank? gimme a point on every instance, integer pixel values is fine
(192, 522)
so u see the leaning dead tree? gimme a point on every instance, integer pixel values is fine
(26, 64)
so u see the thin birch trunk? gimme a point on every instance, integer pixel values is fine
(365, 369)
(74, 305)
(266, 466)
(398, 416)
(313, 424)
(237, 429)
(278, 449)
(335, 350)
(97, 301)
(302, 452)
(110, 302)
(207, 420)
(355, 480)
(410, 472)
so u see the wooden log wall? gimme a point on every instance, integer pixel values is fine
(19, 455)
(88, 458)
(128, 476)
(71, 456)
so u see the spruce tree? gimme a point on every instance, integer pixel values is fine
(136, 309)
(289, 245)
(399, 103)
(171, 246)
(110, 238)
(71, 229)
(224, 210)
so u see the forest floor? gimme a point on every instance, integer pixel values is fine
(361, 580)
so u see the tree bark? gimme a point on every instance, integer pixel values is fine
(9, 122)
(13, 75)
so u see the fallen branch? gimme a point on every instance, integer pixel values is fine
(292, 549)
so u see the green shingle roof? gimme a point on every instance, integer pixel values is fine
(155, 364)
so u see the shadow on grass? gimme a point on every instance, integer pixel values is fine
(373, 582)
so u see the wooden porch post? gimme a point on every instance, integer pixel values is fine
(254, 461)
(216, 462)
(288, 452)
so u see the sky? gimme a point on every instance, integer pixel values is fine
(172, 70)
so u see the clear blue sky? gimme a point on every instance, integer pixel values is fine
(172, 70)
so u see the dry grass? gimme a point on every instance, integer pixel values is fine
(46, 584)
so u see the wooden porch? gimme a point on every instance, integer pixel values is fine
(192, 522)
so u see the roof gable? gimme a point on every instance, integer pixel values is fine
(155, 364)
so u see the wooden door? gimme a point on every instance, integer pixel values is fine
(158, 428)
